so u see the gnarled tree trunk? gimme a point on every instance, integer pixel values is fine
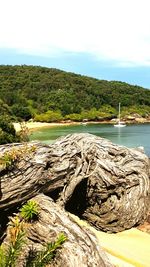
(106, 184)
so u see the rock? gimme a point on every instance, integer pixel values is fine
(106, 184)
(81, 247)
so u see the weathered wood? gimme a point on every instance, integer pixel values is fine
(81, 247)
(104, 183)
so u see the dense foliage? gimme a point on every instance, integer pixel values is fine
(7, 131)
(52, 95)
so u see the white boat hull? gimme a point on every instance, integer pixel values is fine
(119, 125)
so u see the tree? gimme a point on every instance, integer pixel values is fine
(21, 112)
(7, 131)
(42, 89)
(4, 108)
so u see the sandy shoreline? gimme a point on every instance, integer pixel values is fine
(129, 248)
(35, 125)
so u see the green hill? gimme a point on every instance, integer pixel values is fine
(34, 91)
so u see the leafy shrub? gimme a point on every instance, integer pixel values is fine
(10, 158)
(10, 253)
(49, 116)
(142, 110)
(21, 112)
(4, 108)
(7, 131)
(74, 117)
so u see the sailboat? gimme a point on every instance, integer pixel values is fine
(119, 123)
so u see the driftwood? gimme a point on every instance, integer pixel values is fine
(106, 184)
(81, 247)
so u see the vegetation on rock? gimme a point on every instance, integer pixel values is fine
(11, 250)
(11, 156)
(29, 211)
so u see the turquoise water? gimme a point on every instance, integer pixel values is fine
(130, 136)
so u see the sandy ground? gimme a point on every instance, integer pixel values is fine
(36, 125)
(130, 248)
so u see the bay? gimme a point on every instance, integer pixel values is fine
(130, 136)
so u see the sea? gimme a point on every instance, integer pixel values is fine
(134, 135)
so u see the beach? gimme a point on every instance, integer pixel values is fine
(35, 125)
(130, 248)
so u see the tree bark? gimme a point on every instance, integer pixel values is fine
(106, 184)
(81, 247)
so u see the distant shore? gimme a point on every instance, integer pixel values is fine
(33, 125)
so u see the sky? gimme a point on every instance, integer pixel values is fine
(105, 39)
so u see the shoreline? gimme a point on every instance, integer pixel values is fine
(37, 125)
(32, 126)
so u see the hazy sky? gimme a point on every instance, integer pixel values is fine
(107, 39)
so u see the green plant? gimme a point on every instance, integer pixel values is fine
(2, 257)
(49, 116)
(6, 160)
(21, 111)
(42, 258)
(10, 253)
(10, 157)
(7, 130)
(30, 210)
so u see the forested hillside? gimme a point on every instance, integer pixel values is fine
(48, 94)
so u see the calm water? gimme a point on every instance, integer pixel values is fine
(130, 136)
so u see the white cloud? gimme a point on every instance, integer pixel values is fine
(116, 30)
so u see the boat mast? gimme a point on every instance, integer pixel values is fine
(119, 113)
